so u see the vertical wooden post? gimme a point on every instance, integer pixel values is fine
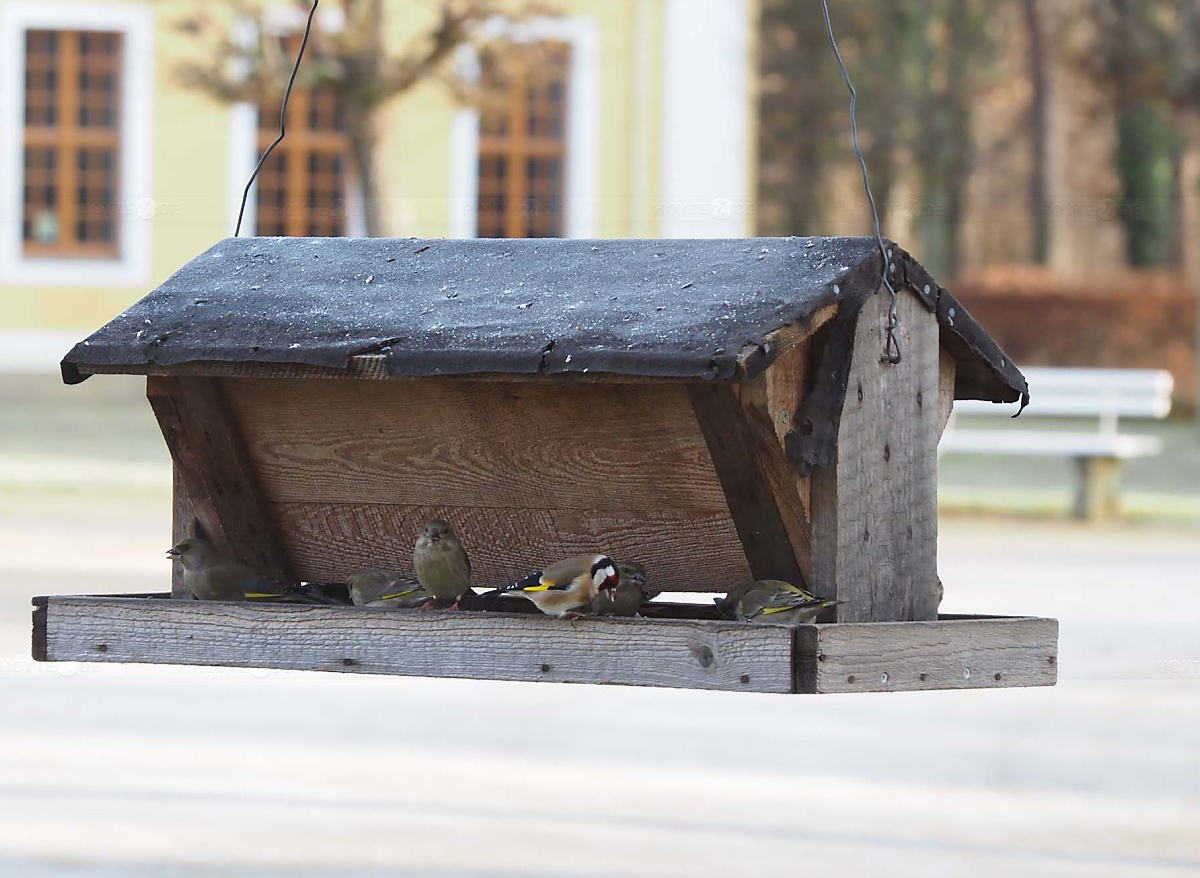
(874, 512)
(1096, 494)
(183, 525)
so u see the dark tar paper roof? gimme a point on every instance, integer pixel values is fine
(667, 308)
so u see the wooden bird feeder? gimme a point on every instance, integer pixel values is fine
(717, 410)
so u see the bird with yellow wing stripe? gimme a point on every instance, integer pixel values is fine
(211, 575)
(379, 588)
(567, 586)
(772, 600)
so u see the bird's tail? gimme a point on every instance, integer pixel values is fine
(533, 579)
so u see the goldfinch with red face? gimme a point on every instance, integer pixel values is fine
(770, 600)
(629, 595)
(441, 562)
(568, 586)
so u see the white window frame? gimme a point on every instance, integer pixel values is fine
(136, 205)
(580, 206)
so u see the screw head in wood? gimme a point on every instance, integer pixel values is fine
(850, 679)
(545, 669)
(924, 677)
(997, 677)
(883, 678)
(966, 673)
(745, 678)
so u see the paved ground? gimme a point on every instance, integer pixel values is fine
(150, 772)
(153, 772)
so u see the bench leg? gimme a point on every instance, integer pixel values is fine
(1096, 498)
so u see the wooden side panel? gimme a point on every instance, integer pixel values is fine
(955, 653)
(222, 490)
(528, 473)
(493, 646)
(747, 479)
(467, 443)
(875, 511)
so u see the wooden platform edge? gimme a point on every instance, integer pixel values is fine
(674, 653)
(998, 652)
(955, 652)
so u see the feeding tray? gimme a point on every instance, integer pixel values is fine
(717, 410)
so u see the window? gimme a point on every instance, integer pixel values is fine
(71, 144)
(522, 142)
(302, 186)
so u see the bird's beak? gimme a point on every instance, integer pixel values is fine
(173, 553)
(639, 579)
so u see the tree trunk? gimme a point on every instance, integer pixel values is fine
(363, 141)
(958, 95)
(1039, 111)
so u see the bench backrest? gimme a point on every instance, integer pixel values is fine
(1102, 393)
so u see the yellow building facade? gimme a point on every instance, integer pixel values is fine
(113, 174)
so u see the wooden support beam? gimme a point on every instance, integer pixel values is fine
(950, 653)
(947, 368)
(746, 477)
(781, 474)
(183, 525)
(217, 475)
(874, 512)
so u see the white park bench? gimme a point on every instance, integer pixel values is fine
(1105, 395)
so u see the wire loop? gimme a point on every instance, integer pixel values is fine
(287, 96)
(891, 350)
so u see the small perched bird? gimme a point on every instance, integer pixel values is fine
(629, 595)
(212, 576)
(442, 565)
(770, 600)
(727, 604)
(567, 586)
(378, 588)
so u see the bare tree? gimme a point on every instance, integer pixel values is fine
(239, 56)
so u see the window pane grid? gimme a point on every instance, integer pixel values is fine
(72, 96)
(302, 187)
(522, 148)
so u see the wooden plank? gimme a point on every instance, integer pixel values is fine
(783, 341)
(494, 646)
(961, 653)
(874, 513)
(787, 382)
(947, 368)
(465, 443)
(758, 517)
(682, 551)
(206, 447)
(183, 525)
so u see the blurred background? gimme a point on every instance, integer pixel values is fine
(1040, 157)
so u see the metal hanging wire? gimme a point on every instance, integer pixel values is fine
(891, 350)
(287, 96)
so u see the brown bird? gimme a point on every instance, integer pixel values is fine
(441, 562)
(629, 595)
(567, 586)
